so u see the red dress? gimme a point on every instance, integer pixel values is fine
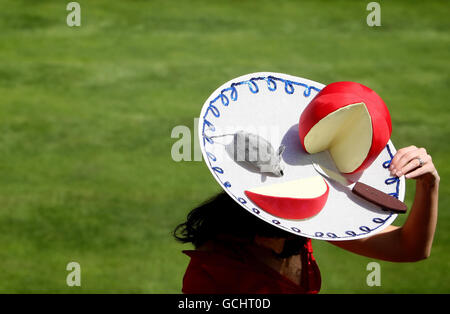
(224, 272)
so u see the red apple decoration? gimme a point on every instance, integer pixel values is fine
(350, 121)
(299, 199)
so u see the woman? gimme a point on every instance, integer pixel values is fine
(255, 257)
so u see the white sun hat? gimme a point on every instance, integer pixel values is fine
(269, 105)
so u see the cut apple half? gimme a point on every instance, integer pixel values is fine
(298, 199)
(350, 121)
(346, 133)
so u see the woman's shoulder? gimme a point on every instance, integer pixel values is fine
(222, 271)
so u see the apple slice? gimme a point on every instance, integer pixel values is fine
(350, 121)
(298, 199)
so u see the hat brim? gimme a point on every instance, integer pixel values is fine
(271, 104)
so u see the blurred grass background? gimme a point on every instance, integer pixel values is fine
(86, 115)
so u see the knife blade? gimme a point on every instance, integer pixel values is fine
(371, 194)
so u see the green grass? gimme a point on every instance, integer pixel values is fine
(86, 115)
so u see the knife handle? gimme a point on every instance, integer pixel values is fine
(386, 201)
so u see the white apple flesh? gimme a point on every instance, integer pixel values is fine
(346, 133)
(298, 199)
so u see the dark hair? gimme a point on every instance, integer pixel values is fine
(221, 215)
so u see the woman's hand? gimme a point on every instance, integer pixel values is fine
(414, 163)
(413, 241)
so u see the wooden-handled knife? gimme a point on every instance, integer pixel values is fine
(377, 197)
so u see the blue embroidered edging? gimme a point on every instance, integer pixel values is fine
(391, 180)
(289, 88)
(253, 87)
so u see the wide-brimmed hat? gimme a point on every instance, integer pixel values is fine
(256, 150)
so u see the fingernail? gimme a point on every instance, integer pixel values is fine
(398, 173)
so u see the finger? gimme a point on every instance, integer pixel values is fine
(399, 155)
(401, 152)
(408, 157)
(420, 171)
(419, 152)
(413, 164)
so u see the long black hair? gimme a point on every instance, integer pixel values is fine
(221, 215)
